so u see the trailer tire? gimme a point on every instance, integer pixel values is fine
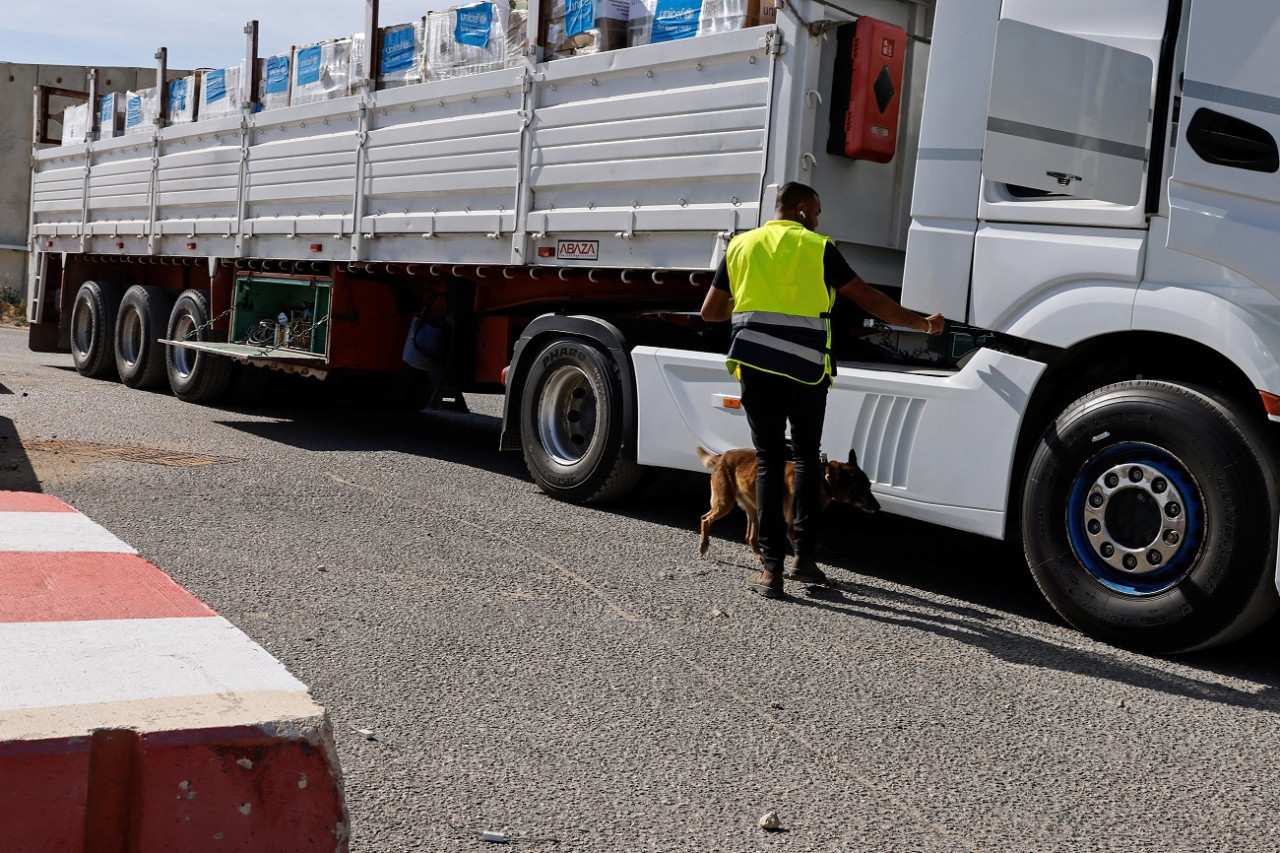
(93, 323)
(195, 377)
(1141, 518)
(142, 321)
(571, 424)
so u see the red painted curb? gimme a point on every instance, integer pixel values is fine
(134, 719)
(71, 587)
(31, 502)
(119, 791)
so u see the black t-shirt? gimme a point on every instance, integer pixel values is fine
(836, 271)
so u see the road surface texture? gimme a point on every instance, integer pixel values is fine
(575, 678)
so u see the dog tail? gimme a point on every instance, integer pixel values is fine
(708, 459)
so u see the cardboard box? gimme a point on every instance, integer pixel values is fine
(182, 99)
(473, 39)
(140, 110)
(75, 124)
(273, 80)
(323, 71)
(111, 115)
(221, 92)
(580, 27)
(656, 21)
(401, 54)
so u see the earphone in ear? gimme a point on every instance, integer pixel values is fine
(802, 215)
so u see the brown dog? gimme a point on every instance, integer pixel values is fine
(733, 481)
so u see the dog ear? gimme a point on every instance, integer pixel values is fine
(853, 457)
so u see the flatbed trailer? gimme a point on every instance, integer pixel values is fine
(1079, 188)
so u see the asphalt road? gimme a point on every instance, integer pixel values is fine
(578, 679)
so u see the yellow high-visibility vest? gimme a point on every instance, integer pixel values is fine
(781, 303)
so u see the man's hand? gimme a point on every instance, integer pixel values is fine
(876, 303)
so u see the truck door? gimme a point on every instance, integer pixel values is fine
(1071, 137)
(1224, 197)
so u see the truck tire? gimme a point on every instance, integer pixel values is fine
(1148, 515)
(142, 321)
(93, 323)
(196, 377)
(571, 424)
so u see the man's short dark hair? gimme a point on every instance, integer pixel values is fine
(793, 192)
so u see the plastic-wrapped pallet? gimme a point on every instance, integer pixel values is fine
(517, 34)
(473, 39)
(273, 81)
(140, 111)
(656, 21)
(221, 92)
(356, 72)
(110, 115)
(182, 100)
(400, 61)
(323, 71)
(75, 124)
(580, 27)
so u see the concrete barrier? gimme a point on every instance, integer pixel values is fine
(134, 718)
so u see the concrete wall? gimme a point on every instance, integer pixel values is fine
(17, 90)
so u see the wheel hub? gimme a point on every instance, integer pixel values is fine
(567, 419)
(131, 337)
(183, 358)
(1135, 518)
(82, 327)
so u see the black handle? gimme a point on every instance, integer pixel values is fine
(1229, 141)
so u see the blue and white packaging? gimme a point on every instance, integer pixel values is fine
(474, 38)
(140, 110)
(221, 92)
(110, 115)
(657, 21)
(400, 61)
(722, 16)
(75, 124)
(582, 27)
(324, 70)
(182, 99)
(273, 81)
(473, 24)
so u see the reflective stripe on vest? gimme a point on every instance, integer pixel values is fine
(781, 302)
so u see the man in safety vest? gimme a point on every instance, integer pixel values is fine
(778, 284)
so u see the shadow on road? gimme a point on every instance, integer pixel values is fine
(16, 473)
(983, 582)
(327, 425)
(979, 630)
(989, 576)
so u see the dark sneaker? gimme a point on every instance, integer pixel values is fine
(766, 583)
(805, 570)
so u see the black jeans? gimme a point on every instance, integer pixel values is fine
(770, 402)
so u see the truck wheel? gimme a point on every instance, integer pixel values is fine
(571, 424)
(1147, 518)
(196, 377)
(93, 323)
(143, 319)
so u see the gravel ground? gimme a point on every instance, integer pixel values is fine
(577, 679)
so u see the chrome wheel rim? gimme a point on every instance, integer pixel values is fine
(567, 415)
(130, 338)
(82, 327)
(183, 359)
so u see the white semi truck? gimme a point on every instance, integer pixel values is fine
(1087, 190)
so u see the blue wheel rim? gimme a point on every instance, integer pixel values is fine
(1155, 497)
